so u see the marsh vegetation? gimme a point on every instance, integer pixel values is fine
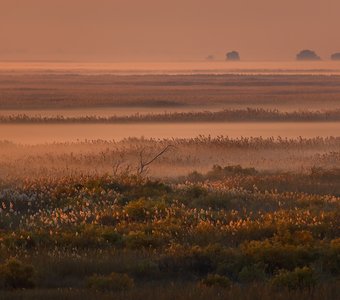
(244, 208)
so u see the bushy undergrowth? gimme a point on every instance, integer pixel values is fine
(16, 275)
(101, 157)
(214, 233)
(299, 278)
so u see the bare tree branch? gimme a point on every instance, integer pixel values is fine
(143, 164)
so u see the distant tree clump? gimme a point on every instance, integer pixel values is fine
(233, 56)
(307, 55)
(335, 56)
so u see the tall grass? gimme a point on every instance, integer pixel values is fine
(227, 115)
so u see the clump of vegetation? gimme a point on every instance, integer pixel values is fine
(321, 173)
(219, 172)
(112, 282)
(245, 227)
(16, 275)
(299, 278)
(252, 273)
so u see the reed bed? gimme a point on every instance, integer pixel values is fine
(227, 115)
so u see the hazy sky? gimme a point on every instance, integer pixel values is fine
(149, 30)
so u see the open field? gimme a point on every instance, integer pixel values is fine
(163, 186)
(78, 90)
(212, 234)
(74, 211)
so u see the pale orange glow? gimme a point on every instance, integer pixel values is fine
(37, 134)
(164, 30)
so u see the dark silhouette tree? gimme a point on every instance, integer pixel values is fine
(233, 56)
(335, 56)
(307, 55)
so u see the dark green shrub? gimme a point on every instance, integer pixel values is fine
(214, 201)
(219, 172)
(331, 258)
(154, 188)
(111, 236)
(277, 256)
(215, 280)
(107, 220)
(195, 177)
(140, 239)
(193, 260)
(88, 237)
(252, 273)
(144, 209)
(112, 282)
(195, 191)
(137, 210)
(300, 278)
(231, 265)
(16, 275)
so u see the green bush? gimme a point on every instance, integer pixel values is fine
(140, 239)
(137, 210)
(195, 191)
(215, 280)
(107, 220)
(252, 273)
(16, 275)
(300, 278)
(112, 282)
(277, 256)
(111, 236)
(330, 259)
(219, 172)
(213, 200)
(193, 260)
(144, 209)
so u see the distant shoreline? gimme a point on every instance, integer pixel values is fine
(217, 67)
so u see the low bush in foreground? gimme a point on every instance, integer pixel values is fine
(300, 278)
(192, 235)
(16, 275)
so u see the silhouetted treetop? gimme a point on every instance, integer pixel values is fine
(307, 55)
(233, 55)
(335, 56)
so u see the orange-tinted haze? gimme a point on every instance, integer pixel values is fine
(151, 30)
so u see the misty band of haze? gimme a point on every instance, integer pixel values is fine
(178, 87)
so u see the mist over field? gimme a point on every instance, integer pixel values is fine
(169, 149)
(213, 181)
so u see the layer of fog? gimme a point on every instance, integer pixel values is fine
(39, 134)
(200, 153)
